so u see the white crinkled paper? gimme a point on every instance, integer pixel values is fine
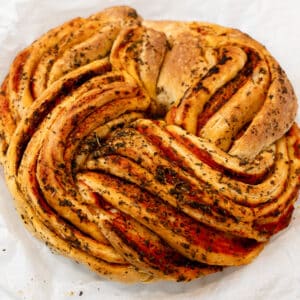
(28, 269)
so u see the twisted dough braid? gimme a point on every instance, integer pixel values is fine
(150, 150)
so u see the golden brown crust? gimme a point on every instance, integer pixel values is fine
(150, 149)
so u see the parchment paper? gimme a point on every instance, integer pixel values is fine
(28, 269)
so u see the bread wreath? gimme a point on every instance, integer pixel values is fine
(150, 149)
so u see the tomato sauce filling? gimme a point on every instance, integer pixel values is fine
(155, 252)
(205, 157)
(19, 66)
(202, 155)
(184, 191)
(274, 227)
(196, 233)
(229, 89)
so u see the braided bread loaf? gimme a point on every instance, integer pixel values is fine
(150, 149)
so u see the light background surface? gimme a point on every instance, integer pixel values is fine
(29, 271)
